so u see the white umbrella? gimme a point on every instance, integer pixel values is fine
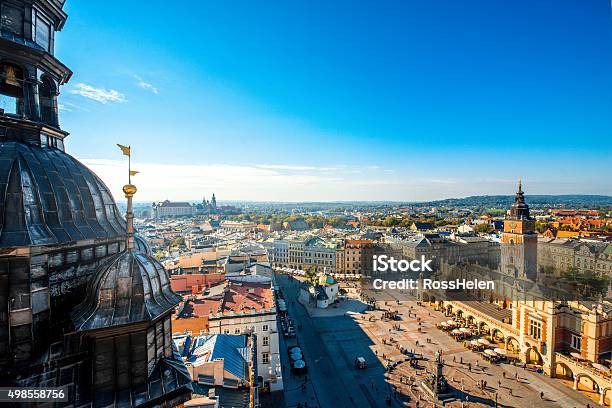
(295, 349)
(296, 356)
(500, 351)
(465, 330)
(577, 356)
(450, 321)
(456, 331)
(474, 343)
(484, 342)
(490, 352)
(299, 364)
(600, 367)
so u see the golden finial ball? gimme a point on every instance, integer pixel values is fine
(129, 189)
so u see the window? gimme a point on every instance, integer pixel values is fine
(265, 358)
(236, 331)
(226, 331)
(46, 91)
(43, 33)
(576, 342)
(264, 327)
(266, 341)
(535, 329)
(11, 89)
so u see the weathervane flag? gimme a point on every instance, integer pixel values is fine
(125, 149)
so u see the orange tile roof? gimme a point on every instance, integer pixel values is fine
(237, 297)
(244, 297)
(185, 283)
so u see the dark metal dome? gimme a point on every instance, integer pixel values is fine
(48, 197)
(130, 287)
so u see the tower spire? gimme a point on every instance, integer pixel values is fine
(520, 187)
(129, 190)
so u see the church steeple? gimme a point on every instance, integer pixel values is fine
(519, 209)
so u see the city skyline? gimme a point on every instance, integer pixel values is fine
(403, 102)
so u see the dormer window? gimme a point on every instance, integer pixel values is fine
(11, 89)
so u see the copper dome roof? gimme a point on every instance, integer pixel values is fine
(47, 197)
(130, 287)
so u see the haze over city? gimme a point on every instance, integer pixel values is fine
(301, 103)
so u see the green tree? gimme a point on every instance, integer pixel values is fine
(541, 226)
(177, 242)
(484, 228)
(311, 275)
(390, 221)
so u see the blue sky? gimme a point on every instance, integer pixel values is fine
(342, 100)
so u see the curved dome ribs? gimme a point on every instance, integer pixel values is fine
(51, 198)
(46, 194)
(34, 219)
(61, 194)
(86, 310)
(83, 198)
(142, 245)
(160, 291)
(113, 217)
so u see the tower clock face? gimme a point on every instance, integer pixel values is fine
(512, 225)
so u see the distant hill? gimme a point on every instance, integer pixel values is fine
(567, 200)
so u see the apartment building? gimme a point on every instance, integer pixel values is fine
(319, 254)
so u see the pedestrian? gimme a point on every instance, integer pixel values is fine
(454, 359)
(504, 374)
(541, 395)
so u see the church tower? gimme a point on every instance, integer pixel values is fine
(519, 240)
(67, 256)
